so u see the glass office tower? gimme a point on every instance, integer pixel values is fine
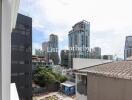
(21, 57)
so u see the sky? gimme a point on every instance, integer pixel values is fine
(110, 21)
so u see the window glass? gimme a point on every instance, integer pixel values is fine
(21, 62)
(14, 62)
(14, 74)
(27, 33)
(14, 47)
(21, 48)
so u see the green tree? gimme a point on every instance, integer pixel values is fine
(43, 76)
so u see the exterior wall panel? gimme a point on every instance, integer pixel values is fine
(105, 88)
(8, 12)
(5, 49)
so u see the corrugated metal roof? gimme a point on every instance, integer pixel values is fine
(117, 69)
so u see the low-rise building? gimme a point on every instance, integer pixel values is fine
(39, 60)
(107, 81)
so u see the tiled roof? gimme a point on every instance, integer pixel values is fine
(117, 69)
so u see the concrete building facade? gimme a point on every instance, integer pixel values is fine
(40, 61)
(21, 57)
(79, 41)
(128, 47)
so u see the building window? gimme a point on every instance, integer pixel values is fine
(71, 42)
(75, 40)
(28, 30)
(86, 41)
(21, 62)
(27, 62)
(21, 74)
(21, 48)
(14, 47)
(27, 73)
(27, 26)
(28, 49)
(20, 26)
(14, 62)
(27, 33)
(21, 87)
(22, 32)
(16, 31)
(14, 74)
(82, 40)
(26, 86)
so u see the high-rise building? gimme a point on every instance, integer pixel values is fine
(21, 57)
(51, 49)
(64, 57)
(45, 49)
(79, 41)
(128, 47)
(54, 41)
(107, 57)
(96, 53)
(45, 46)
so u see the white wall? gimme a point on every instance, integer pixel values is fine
(13, 91)
(79, 63)
(8, 10)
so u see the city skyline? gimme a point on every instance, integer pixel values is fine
(106, 18)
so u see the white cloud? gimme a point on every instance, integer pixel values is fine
(37, 46)
(58, 16)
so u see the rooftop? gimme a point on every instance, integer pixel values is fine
(116, 69)
(79, 63)
(68, 84)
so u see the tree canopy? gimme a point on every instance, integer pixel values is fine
(43, 76)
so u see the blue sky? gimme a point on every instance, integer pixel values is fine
(111, 21)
